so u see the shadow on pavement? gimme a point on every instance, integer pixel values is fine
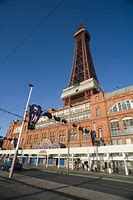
(93, 183)
(41, 190)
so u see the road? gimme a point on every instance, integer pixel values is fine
(42, 184)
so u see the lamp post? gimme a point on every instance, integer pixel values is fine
(68, 138)
(96, 147)
(21, 129)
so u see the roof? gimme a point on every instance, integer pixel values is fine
(119, 92)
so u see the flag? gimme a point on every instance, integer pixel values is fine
(64, 121)
(34, 115)
(80, 128)
(74, 125)
(47, 114)
(57, 118)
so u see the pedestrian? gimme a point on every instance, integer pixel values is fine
(87, 166)
(83, 166)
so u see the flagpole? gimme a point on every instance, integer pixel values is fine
(21, 129)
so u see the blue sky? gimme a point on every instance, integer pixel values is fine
(44, 58)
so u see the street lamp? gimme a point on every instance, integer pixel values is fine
(68, 93)
(96, 146)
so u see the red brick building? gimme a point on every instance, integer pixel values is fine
(85, 105)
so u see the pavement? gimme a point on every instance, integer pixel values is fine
(104, 175)
(24, 187)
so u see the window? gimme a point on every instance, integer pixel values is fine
(86, 133)
(73, 135)
(98, 112)
(87, 107)
(52, 136)
(128, 105)
(62, 136)
(36, 139)
(85, 136)
(115, 108)
(128, 125)
(44, 136)
(114, 127)
(114, 142)
(121, 106)
(120, 141)
(97, 98)
(124, 106)
(29, 139)
(128, 141)
(100, 132)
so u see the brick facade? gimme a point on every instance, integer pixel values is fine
(100, 118)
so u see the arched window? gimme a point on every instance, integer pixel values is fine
(83, 136)
(128, 125)
(100, 132)
(43, 136)
(121, 106)
(98, 112)
(29, 139)
(97, 97)
(86, 133)
(73, 135)
(114, 127)
(36, 139)
(62, 136)
(52, 136)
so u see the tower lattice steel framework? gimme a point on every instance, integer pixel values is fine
(83, 68)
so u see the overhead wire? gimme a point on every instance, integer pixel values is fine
(11, 113)
(33, 30)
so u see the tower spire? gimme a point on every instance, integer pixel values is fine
(83, 79)
(83, 67)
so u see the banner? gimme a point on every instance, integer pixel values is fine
(34, 115)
